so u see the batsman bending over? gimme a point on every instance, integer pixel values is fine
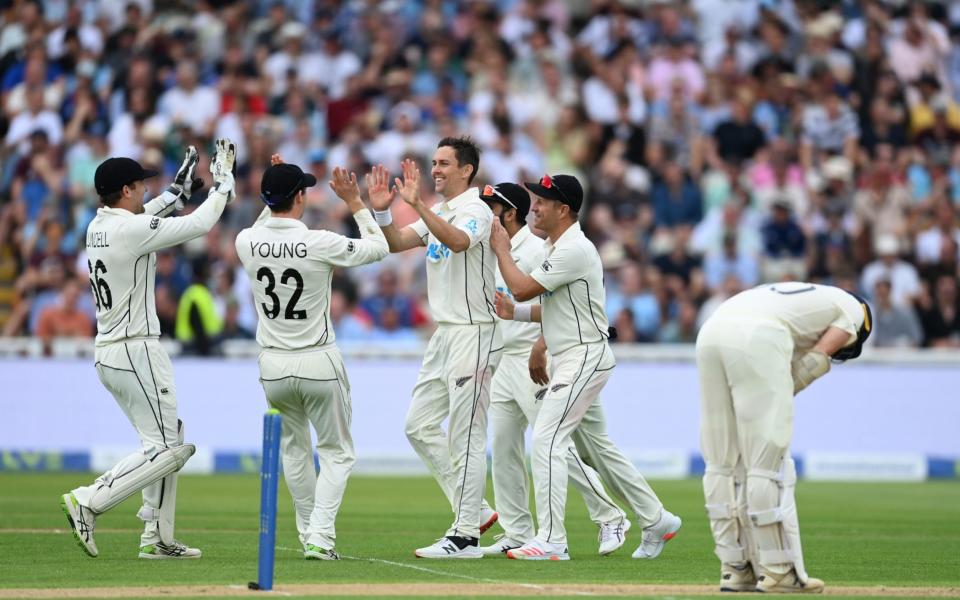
(122, 241)
(757, 351)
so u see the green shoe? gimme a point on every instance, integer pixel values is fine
(312, 552)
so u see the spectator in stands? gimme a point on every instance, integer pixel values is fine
(632, 296)
(720, 264)
(66, 318)
(405, 310)
(893, 326)
(739, 138)
(784, 245)
(198, 326)
(349, 323)
(900, 275)
(940, 315)
(676, 199)
(930, 242)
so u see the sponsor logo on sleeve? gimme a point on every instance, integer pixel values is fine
(351, 246)
(154, 222)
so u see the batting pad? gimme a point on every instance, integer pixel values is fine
(134, 473)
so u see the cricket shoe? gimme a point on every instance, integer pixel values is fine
(537, 550)
(612, 536)
(502, 544)
(737, 579)
(82, 521)
(160, 551)
(488, 516)
(451, 546)
(788, 584)
(314, 552)
(657, 535)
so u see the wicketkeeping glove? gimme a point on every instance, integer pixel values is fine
(185, 184)
(808, 368)
(222, 167)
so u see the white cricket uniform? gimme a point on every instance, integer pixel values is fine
(744, 355)
(301, 370)
(514, 403)
(130, 361)
(575, 329)
(459, 360)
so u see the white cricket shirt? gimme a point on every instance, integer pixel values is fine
(290, 268)
(122, 262)
(573, 306)
(461, 285)
(527, 251)
(806, 309)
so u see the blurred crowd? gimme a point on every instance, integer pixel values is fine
(722, 143)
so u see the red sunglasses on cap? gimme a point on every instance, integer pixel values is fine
(547, 182)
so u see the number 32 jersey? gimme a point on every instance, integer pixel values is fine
(122, 262)
(290, 268)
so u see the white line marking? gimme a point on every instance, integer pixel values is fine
(532, 586)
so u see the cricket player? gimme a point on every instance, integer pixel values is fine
(569, 282)
(122, 241)
(464, 351)
(301, 370)
(756, 352)
(515, 400)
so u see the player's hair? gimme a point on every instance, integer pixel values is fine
(112, 198)
(466, 151)
(286, 205)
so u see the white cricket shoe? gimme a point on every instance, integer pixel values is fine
(612, 536)
(502, 544)
(82, 521)
(737, 579)
(160, 551)
(657, 535)
(788, 584)
(488, 516)
(537, 550)
(449, 547)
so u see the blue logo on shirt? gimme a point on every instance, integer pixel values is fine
(472, 226)
(437, 252)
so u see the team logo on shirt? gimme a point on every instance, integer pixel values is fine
(462, 380)
(154, 222)
(540, 394)
(558, 386)
(437, 252)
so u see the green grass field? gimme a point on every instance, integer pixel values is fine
(895, 535)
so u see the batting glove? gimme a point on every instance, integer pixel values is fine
(222, 167)
(808, 368)
(184, 183)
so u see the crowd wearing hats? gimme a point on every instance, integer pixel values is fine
(719, 144)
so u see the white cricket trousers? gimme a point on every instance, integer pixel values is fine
(570, 405)
(514, 403)
(310, 387)
(137, 372)
(454, 381)
(747, 416)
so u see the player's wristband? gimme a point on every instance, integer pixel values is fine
(383, 217)
(523, 312)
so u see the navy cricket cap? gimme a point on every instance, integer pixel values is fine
(281, 182)
(114, 173)
(510, 195)
(563, 188)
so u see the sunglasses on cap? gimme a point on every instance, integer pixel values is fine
(547, 182)
(269, 200)
(490, 190)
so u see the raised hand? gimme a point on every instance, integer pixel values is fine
(409, 188)
(222, 166)
(378, 188)
(344, 185)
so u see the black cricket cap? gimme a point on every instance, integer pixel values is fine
(281, 182)
(114, 173)
(563, 188)
(510, 195)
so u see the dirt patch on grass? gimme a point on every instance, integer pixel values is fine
(444, 590)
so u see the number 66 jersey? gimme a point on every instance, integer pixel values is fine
(290, 268)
